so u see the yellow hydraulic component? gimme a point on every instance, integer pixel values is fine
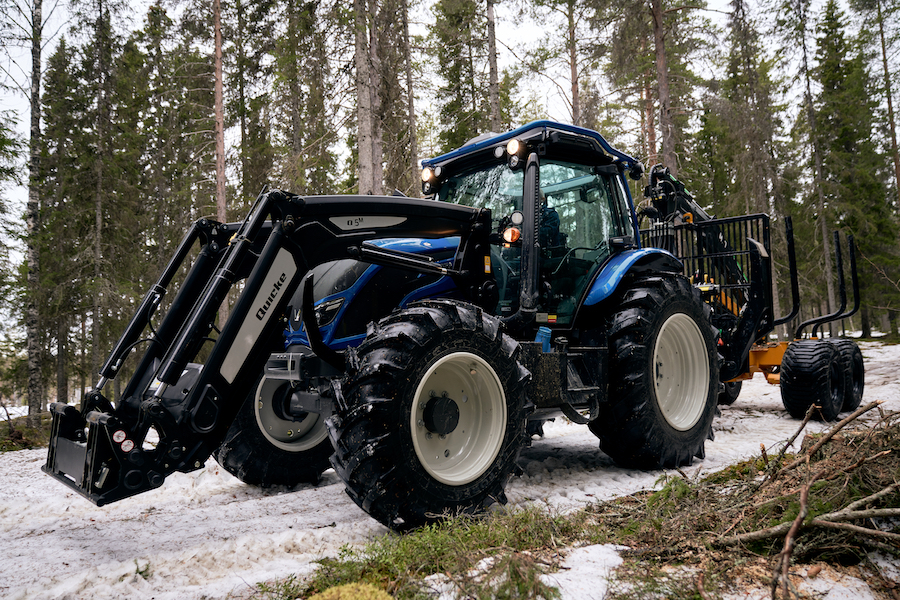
(708, 287)
(765, 358)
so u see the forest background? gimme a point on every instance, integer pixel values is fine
(142, 119)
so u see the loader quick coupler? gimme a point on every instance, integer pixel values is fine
(105, 465)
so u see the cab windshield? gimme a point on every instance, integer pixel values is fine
(582, 207)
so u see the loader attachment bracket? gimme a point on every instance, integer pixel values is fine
(97, 457)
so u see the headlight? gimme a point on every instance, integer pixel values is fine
(327, 311)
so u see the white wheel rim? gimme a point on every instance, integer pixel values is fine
(291, 436)
(463, 455)
(681, 371)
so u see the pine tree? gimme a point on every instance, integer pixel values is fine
(66, 217)
(459, 38)
(853, 168)
(651, 52)
(304, 97)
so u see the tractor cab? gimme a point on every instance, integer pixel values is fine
(554, 190)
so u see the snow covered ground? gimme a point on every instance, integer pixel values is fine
(207, 535)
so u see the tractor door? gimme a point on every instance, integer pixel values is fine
(583, 208)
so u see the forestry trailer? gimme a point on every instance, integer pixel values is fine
(416, 344)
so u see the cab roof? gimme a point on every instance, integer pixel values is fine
(562, 141)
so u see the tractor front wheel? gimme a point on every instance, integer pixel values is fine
(433, 416)
(663, 376)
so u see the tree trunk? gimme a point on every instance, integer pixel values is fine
(363, 99)
(572, 43)
(818, 175)
(221, 204)
(102, 151)
(294, 83)
(410, 99)
(375, 85)
(667, 126)
(32, 330)
(242, 100)
(494, 78)
(62, 360)
(895, 153)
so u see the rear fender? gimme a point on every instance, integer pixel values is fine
(631, 261)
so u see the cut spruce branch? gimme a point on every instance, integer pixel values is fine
(782, 571)
(857, 529)
(830, 518)
(831, 433)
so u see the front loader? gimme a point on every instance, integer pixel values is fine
(415, 344)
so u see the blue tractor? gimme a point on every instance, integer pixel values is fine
(416, 344)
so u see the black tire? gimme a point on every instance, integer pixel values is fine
(854, 373)
(663, 375)
(811, 374)
(264, 447)
(729, 393)
(433, 417)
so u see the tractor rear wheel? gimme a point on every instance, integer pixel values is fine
(266, 447)
(433, 416)
(854, 373)
(663, 375)
(811, 373)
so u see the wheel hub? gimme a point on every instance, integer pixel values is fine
(441, 414)
(457, 438)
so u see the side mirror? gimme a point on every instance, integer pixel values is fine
(637, 171)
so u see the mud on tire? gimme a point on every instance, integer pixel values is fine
(664, 375)
(811, 373)
(265, 448)
(433, 417)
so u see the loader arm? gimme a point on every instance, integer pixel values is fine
(104, 452)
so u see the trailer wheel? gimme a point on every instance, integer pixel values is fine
(433, 416)
(854, 373)
(729, 393)
(663, 376)
(265, 447)
(811, 373)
